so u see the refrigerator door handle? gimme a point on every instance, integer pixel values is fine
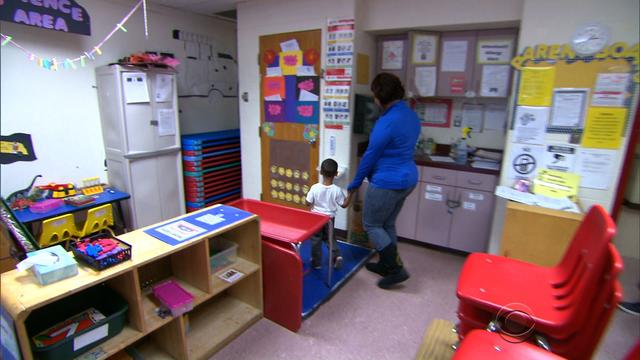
(146, 154)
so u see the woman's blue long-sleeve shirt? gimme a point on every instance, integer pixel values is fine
(388, 161)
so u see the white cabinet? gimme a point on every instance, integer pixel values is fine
(142, 141)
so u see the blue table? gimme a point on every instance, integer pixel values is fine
(109, 196)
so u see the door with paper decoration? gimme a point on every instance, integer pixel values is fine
(289, 115)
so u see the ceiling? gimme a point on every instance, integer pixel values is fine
(205, 7)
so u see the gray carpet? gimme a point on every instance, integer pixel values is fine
(364, 322)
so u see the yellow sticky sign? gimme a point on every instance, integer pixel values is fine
(289, 62)
(556, 184)
(603, 129)
(536, 86)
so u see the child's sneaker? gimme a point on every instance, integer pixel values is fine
(337, 262)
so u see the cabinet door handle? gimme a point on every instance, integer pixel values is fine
(474, 182)
(438, 177)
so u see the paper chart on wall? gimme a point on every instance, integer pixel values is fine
(135, 87)
(166, 122)
(425, 80)
(604, 127)
(595, 167)
(610, 89)
(454, 56)
(392, 55)
(472, 116)
(530, 124)
(164, 88)
(495, 80)
(495, 51)
(560, 158)
(524, 161)
(495, 117)
(424, 49)
(568, 107)
(536, 86)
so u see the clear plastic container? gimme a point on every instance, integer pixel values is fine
(223, 253)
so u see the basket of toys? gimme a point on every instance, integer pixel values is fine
(101, 251)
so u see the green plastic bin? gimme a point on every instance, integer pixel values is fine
(100, 297)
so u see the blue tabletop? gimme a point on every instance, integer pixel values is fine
(108, 196)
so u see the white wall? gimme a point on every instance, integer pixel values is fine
(60, 109)
(383, 15)
(264, 17)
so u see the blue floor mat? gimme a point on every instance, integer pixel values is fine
(315, 290)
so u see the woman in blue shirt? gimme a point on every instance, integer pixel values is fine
(388, 164)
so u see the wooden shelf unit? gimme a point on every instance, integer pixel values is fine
(221, 310)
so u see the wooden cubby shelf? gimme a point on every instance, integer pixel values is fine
(221, 310)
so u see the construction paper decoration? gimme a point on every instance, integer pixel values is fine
(268, 129)
(273, 85)
(307, 112)
(290, 101)
(289, 61)
(310, 133)
(269, 57)
(311, 56)
(307, 83)
(274, 111)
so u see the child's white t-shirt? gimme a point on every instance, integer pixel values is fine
(325, 198)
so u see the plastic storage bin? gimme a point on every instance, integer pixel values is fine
(174, 297)
(99, 297)
(223, 253)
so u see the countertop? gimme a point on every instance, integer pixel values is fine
(425, 160)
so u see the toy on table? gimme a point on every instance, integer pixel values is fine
(79, 200)
(91, 186)
(59, 190)
(46, 205)
(101, 251)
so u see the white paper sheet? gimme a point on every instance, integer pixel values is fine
(392, 55)
(568, 107)
(495, 51)
(307, 96)
(495, 80)
(424, 49)
(305, 70)
(495, 117)
(539, 200)
(164, 88)
(610, 89)
(454, 55)
(445, 159)
(595, 167)
(273, 98)
(274, 71)
(472, 116)
(425, 80)
(290, 45)
(432, 113)
(166, 122)
(560, 158)
(524, 161)
(530, 124)
(135, 87)
(180, 230)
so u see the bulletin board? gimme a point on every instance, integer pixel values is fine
(289, 117)
(570, 118)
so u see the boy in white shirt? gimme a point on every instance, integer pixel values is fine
(324, 198)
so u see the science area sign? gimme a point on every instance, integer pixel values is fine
(59, 15)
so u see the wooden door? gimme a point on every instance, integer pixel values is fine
(289, 133)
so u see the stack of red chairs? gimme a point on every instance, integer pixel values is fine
(481, 344)
(569, 305)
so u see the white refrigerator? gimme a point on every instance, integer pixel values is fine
(139, 116)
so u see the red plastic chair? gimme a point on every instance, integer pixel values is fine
(480, 344)
(556, 298)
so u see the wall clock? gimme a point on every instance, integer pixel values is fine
(590, 39)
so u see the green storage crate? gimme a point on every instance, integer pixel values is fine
(100, 297)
